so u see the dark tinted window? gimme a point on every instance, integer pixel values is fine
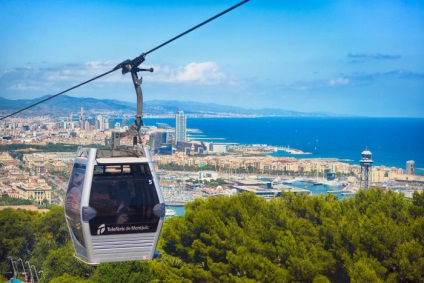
(123, 197)
(73, 201)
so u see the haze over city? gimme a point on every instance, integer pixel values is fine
(362, 58)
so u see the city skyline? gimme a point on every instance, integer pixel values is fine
(345, 57)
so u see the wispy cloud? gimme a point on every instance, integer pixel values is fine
(378, 56)
(352, 79)
(206, 73)
(54, 78)
(361, 77)
(78, 73)
(340, 81)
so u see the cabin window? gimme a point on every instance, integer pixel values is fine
(123, 197)
(122, 170)
(73, 202)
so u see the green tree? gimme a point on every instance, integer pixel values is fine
(375, 236)
(372, 236)
(131, 272)
(409, 261)
(366, 270)
(61, 260)
(66, 278)
(17, 233)
(54, 223)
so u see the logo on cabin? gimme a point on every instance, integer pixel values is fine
(101, 229)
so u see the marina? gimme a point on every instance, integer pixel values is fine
(178, 193)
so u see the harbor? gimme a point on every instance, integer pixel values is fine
(178, 188)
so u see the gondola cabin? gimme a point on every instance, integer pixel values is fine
(114, 207)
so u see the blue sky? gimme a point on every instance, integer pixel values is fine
(348, 57)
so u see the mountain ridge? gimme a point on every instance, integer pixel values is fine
(65, 105)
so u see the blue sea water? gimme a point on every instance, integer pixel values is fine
(392, 141)
(179, 209)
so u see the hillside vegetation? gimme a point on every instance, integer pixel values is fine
(374, 236)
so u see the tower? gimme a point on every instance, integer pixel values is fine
(180, 127)
(82, 118)
(100, 122)
(410, 167)
(366, 166)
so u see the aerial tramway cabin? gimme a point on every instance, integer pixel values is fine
(113, 205)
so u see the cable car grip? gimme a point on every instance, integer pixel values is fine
(132, 67)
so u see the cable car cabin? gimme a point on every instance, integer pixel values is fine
(114, 206)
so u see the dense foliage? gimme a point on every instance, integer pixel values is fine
(15, 201)
(57, 147)
(18, 150)
(375, 236)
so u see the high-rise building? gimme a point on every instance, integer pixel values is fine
(100, 122)
(410, 167)
(82, 119)
(366, 166)
(180, 127)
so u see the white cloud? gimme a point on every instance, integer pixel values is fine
(338, 82)
(80, 73)
(199, 73)
(316, 84)
(206, 73)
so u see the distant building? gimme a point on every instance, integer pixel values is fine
(99, 122)
(162, 143)
(161, 138)
(190, 148)
(111, 123)
(378, 175)
(207, 175)
(106, 123)
(165, 149)
(218, 148)
(366, 166)
(82, 119)
(410, 167)
(180, 127)
(38, 192)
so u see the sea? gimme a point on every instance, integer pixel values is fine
(392, 141)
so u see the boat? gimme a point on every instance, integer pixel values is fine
(294, 180)
(331, 180)
(317, 182)
(169, 212)
(332, 183)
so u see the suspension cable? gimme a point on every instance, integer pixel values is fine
(53, 96)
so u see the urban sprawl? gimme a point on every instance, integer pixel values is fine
(188, 169)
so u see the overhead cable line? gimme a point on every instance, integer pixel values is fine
(53, 96)
(128, 64)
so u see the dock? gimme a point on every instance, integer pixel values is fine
(343, 191)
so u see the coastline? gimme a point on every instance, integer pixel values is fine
(343, 138)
